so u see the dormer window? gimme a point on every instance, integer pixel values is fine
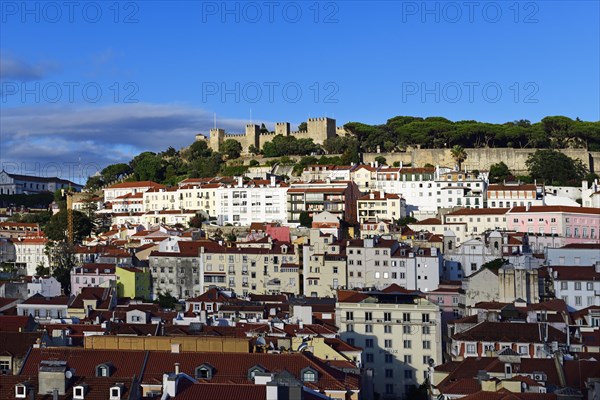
(204, 371)
(104, 370)
(20, 391)
(309, 375)
(115, 392)
(79, 392)
(254, 370)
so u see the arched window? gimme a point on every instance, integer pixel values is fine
(103, 370)
(450, 245)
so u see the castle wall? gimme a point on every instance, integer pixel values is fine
(480, 159)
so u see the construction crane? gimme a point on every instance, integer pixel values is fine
(69, 196)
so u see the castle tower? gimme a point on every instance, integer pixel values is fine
(252, 135)
(282, 128)
(320, 129)
(216, 138)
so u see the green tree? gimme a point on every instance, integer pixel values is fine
(303, 126)
(200, 149)
(459, 155)
(56, 229)
(305, 219)
(62, 260)
(167, 300)
(556, 168)
(94, 182)
(381, 160)
(252, 149)
(499, 172)
(196, 221)
(149, 167)
(253, 163)
(115, 172)
(231, 148)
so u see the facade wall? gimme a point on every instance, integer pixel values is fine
(396, 348)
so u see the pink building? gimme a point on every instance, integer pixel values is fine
(574, 224)
(92, 275)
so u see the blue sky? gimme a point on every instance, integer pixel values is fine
(102, 81)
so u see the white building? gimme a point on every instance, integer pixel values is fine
(378, 205)
(30, 253)
(47, 286)
(578, 286)
(512, 195)
(123, 188)
(24, 184)
(253, 201)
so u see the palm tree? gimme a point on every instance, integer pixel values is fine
(459, 154)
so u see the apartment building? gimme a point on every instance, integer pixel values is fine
(377, 262)
(578, 286)
(513, 195)
(378, 205)
(30, 253)
(576, 224)
(257, 200)
(339, 198)
(399, 332)
(460, 189)
(324, 172)
(123, 188)
(262, 266)
(479, 220)
(324, 267)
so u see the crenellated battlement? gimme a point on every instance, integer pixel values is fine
(318, 129)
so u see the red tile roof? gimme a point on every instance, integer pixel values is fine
(575, 273)
(509, 332)
(565, 209)
(139, 184)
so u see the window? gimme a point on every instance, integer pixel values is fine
(4, 365)
(369, 343)
(577, 300)
(407, 344)
(309, 375)
(389, 388)
(426, 344)
(349, 328)
(387, 316)
(203, 372)
(577, 285)
(389, 373)
(523, 350)
(387, 329)
(369, 357)
(388, 343)
(349, 315)
(425, 317)
(389, 358)
(406, 329)
(369, 328)
(406, 317)
(408, 374)
(426, 359)
(589, 286)
(563, 285)
(408, 359)
(471, 348)
(426, 330)
(368, 316)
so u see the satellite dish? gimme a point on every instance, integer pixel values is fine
(68, 374)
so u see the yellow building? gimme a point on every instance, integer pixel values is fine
(133, 283)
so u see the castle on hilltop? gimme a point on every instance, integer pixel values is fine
(317, 129)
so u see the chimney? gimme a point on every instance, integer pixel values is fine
(176, 368)
(273, 180)
(372, 196)
(381, 195)
(240, 181)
